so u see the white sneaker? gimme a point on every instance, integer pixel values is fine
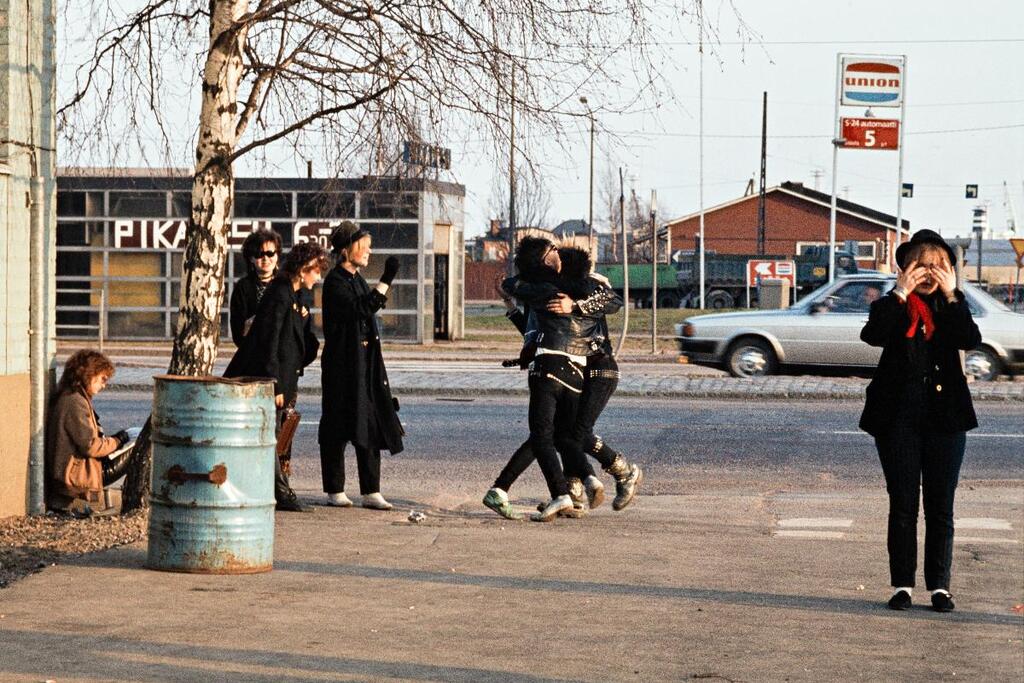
(554, 506)
(375, 501)
(339, 500)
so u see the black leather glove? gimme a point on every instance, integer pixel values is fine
(390, 270)
(122, 438)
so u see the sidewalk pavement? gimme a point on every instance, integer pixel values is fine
(665, 380)
(680, 587)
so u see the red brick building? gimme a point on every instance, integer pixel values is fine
(795, 217)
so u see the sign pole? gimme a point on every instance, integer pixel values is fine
(835, 173)
(899, 182)
(700, 161)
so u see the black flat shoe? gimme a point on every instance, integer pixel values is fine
(290, 504)
(942, 602)
(900, 600)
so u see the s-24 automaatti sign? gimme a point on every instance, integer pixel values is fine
(868, 133)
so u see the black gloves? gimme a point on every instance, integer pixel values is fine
(122, 438)
(390, 270)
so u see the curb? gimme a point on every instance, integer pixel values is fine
(854, 393)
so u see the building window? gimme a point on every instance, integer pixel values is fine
(80, 204)
(393, 235)
(389, 205)
(138, 204)
(263, 205)
(325, 205)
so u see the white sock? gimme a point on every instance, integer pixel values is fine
(940, 590)
(909, 591)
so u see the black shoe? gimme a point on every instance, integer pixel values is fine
(900, 600)
(942, 602)
(290, 503)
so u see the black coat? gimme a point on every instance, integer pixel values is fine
(918, 381)
(357, 403)
(280, 342)
(244, 302)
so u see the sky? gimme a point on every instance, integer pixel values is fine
(964, 119)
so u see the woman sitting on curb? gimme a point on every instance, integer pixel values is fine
(77, 463)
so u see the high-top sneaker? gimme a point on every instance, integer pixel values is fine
(497, 500)
(551, 510)
(595, 491)
(576, 490)
(628, 478)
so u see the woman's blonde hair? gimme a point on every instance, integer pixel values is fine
(915, 252)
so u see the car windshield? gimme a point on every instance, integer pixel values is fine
(853, 288)
(989, 300)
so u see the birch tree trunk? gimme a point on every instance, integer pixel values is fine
(206, 243)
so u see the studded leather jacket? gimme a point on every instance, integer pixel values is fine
(582, 333)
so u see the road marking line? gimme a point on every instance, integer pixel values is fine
(983, 539)
(971, 435)
(800, 533)
(982, 523)
(816, 522)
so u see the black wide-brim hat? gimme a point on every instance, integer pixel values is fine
(923, 237)
(345, 234)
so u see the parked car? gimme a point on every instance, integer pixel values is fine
(822, 332)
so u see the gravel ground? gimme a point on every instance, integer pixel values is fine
(28, 544)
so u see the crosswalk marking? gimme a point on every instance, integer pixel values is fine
(815, 522)
(982, 523)
(984, 539)
(970, 435)
(808, 533)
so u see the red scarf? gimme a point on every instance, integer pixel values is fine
(919, 312)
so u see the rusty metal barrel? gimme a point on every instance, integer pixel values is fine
(212, 494)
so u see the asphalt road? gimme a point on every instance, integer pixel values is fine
(457, 446)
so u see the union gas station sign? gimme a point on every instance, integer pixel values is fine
(170, 233)
(871, 81)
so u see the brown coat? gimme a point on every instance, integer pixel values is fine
(75, 447)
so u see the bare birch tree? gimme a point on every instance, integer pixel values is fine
(336, 73)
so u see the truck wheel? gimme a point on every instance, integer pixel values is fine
(718, 298)
(750, 357)
(668, 300)
(982, 364)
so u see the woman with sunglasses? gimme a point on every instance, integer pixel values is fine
(261, 251)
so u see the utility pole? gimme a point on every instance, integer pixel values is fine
(654, 271)
(512, 172)
(761, 195)
(590, 194)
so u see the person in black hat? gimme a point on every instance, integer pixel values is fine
(357, 405)
(919, 410)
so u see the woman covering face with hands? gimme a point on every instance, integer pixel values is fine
(919, 410)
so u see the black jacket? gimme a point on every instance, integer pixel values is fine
(582, 333)
(244, 302)
(357, 404)
(919, 382)
(280, 342)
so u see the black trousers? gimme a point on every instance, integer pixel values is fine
(600, 381)
(602, 378)
(555, 387)
(332, 467)
(920, 463)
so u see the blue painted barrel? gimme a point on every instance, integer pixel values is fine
(212, 492)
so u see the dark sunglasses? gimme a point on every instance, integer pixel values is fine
(266, 254)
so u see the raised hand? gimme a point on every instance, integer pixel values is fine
(946, 277)
(390, 270)
(910, 277)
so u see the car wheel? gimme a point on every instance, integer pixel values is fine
(750, 358)
(982, 364)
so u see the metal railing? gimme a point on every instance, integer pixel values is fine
(101, 325)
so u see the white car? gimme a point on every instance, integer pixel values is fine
(822, 332)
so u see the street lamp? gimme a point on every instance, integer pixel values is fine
(590, 114)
